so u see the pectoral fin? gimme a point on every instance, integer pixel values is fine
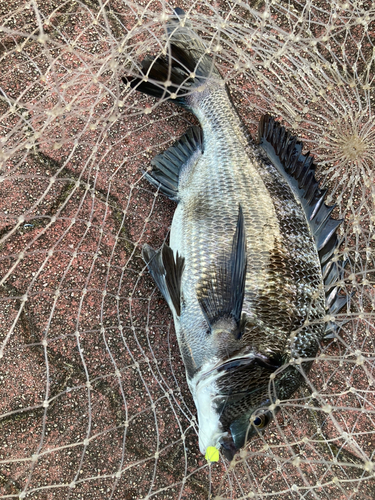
(221, 295)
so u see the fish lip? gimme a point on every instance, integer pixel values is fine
(205, 391)
(228, 448)
(207, 395)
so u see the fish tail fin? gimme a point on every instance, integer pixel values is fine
(184, 67)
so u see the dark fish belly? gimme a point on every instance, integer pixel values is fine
(294, 292)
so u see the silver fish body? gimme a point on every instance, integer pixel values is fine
(243, 271)
(284, 286)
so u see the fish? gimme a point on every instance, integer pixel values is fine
(250, 273)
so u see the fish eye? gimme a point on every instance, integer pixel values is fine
(259, 421)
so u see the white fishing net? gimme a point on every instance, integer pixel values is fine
(94, 402)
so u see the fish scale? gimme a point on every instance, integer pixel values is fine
(249, 238)
(236, 179)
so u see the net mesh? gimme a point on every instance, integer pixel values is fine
(94, 401)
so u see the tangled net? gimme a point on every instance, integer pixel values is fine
(94, 401)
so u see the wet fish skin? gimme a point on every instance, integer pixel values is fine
(237, 212)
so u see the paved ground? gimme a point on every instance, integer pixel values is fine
(94, 402)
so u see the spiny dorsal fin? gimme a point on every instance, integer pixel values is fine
(285, 153)
(166, 167)
(221, 295)
(167, 272)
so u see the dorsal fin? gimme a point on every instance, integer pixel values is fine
(285, 152)
(166, 167)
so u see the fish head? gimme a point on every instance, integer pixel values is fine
(235, 400)
(246, 399)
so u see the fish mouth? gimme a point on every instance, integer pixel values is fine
(231, 436)
(228, 448)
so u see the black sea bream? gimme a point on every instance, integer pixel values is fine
(249, 273)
